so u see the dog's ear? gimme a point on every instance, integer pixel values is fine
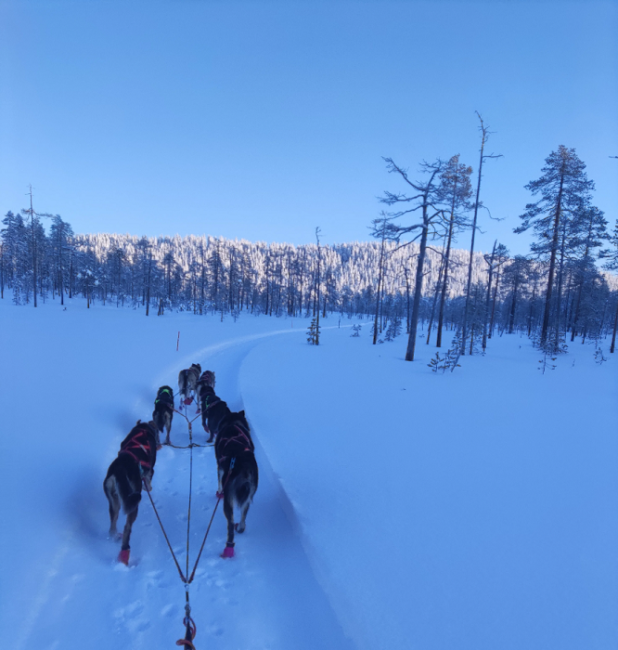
(242, 413)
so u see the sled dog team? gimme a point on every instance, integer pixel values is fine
(234, 451)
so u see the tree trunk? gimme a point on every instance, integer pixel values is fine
(435, 299)
(613, 345)
(488, 297)
(552, 260)
(418, 288)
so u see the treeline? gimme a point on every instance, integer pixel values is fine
(402, 283)
(204, 274)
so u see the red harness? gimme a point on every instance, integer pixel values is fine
(242, 435)
(138, 441)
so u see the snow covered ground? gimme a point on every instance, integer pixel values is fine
(397, 508)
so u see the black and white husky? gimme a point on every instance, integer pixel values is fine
(123, 484)
(236, 465)
(163, 412)
(187, 382)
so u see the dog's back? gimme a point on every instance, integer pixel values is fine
(138, 454)
(238, 472)
(163, 411)
(123, 483)
(187, 379)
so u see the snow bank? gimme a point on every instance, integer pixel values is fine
(469, 510)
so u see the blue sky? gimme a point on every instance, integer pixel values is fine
(263, 120)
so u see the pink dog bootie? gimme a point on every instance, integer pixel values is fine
(228, 551)
(123, 556)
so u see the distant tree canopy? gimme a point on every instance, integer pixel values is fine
(403, 287)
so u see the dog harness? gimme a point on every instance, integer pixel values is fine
(167, 399)
(139, 441)
(242, 435)
(207, 403)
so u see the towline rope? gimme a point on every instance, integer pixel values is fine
(191, 628)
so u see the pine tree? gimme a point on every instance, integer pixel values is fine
(590, 227)
(455, 192)
(60, 237)
(563, 189)
(611, 264)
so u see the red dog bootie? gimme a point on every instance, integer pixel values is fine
(188, 400)
(123, 556)
(228, 551)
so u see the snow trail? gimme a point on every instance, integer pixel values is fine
(76, 593)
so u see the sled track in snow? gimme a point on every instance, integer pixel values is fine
(218, 595)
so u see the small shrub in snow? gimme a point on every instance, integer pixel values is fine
(599, 356)
(447, 362)
(393, 330)
(313, 333)
(356, 329)
(545, 363)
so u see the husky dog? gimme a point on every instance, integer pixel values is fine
(236, 466)
(187, 381)
(206, 380)
(123, 483)
(163, 413)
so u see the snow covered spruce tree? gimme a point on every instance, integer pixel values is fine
(564, 189)
(15, 257)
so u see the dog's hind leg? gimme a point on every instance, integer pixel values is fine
(228, 511)
(220, 473)
(168, 427)
(158, 436)
(205, 425)
(126, 537)
(241, 525)
(109, 487)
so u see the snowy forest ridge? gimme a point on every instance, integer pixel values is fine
(101, 259)
(558, 288)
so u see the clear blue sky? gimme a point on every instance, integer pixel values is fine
(263, 120)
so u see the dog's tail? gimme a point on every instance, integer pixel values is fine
(128, 497)
(243, 487)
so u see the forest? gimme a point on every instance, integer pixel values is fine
(412, 276)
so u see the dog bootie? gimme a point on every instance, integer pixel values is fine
(124, 556)
(188, 400)
(228, 551)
